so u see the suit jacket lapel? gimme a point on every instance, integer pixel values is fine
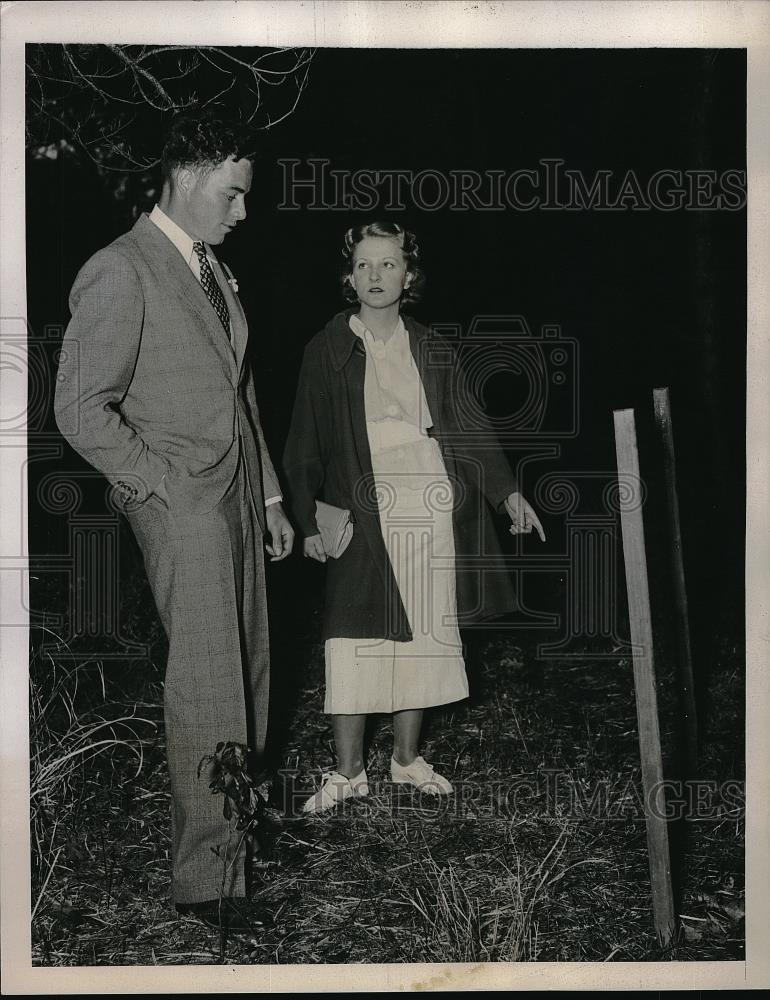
(237, 316)
(164, 255)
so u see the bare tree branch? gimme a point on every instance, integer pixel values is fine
(138, 70)
(110, 101)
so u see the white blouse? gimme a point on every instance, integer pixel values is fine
(393, 389)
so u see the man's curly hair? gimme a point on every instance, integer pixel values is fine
(203, 140)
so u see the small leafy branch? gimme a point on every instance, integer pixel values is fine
(230, 778)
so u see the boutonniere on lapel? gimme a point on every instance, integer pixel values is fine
(231, 281)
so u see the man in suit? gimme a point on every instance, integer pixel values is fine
(154, 392)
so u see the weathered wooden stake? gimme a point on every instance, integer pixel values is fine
(686, 683)
(640, 619)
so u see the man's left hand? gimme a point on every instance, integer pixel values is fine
(280, 531)
(523, 518)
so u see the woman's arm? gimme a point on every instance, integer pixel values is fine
(307, 448)
(493, 474)
(482, 453)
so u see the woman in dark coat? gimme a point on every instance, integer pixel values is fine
(376, 430)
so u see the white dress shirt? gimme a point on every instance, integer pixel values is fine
(181, 240)
(184, 244)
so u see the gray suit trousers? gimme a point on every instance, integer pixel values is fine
(207, 576)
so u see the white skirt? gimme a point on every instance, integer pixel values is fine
(415, 501)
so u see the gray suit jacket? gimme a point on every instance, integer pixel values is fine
(149, 384)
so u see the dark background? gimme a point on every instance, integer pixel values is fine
(652, 298)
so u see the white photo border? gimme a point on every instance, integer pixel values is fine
(377, 24)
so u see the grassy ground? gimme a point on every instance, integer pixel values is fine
(540, 856)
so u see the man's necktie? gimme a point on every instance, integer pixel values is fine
(211, 287)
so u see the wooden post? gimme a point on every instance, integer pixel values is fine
(640, 620)
(686, 683)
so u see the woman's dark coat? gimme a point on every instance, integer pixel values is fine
(327, 457)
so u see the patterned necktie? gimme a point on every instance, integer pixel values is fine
(211, 287)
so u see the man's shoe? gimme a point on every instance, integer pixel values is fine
(239, 916)
(335, 788)
(420, 774)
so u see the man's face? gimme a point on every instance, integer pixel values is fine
(215, 199)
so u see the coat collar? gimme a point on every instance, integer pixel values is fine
(342, 340)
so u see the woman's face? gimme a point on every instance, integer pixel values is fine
(379, 273)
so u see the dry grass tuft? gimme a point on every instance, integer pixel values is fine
(72, 723)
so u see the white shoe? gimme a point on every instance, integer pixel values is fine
(335, 788)
(420, 774)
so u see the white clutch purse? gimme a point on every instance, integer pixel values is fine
(335, 525)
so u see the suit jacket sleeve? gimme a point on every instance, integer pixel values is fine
(270, 485)
(99, 354)
(308, 444)
(495, 477)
